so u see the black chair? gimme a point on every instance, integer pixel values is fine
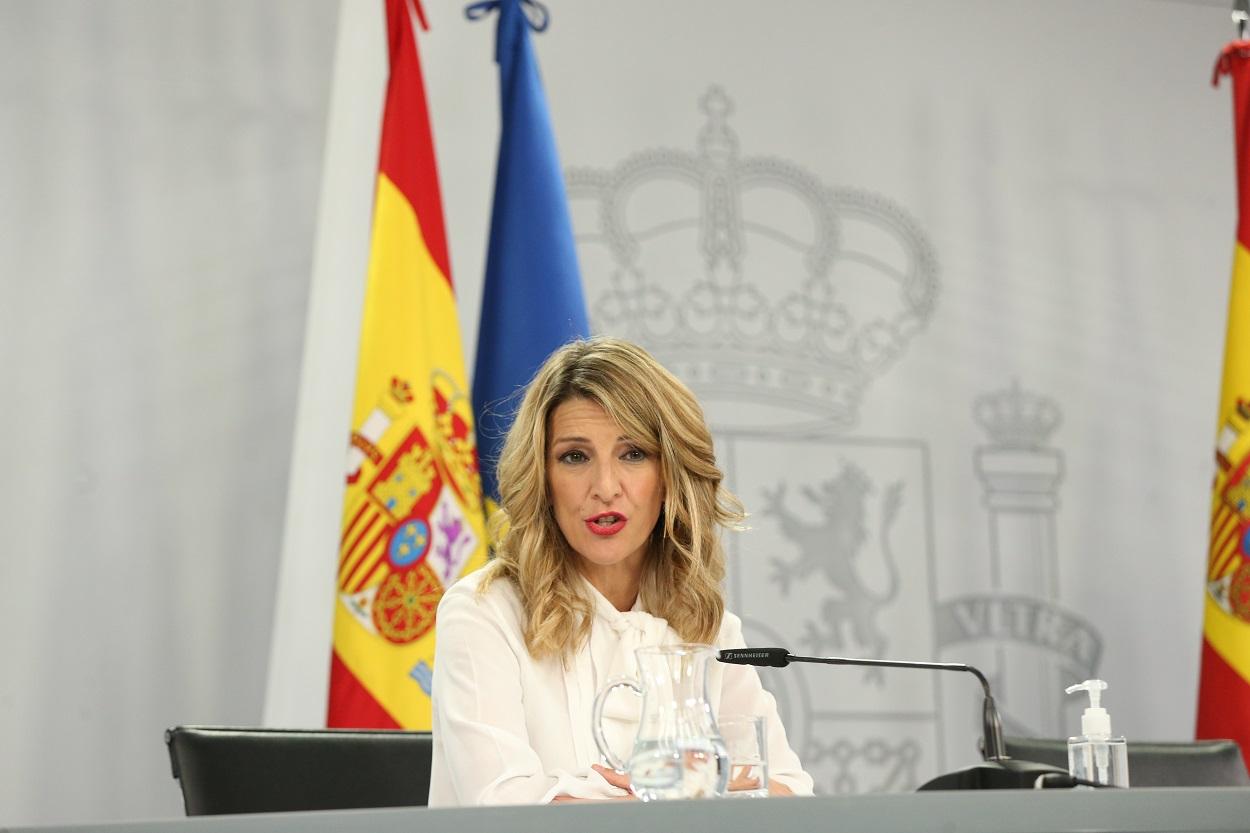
(1203, 763)
(230, 770)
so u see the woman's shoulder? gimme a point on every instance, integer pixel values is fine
(730, 633)
(480, 615)
(482, 593)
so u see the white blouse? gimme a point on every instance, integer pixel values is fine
(512, 730)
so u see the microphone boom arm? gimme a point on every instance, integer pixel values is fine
(991, 722)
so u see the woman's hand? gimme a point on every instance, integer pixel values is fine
(740, 781)
(616, 779)
(564, 798)
(621, 780)
(778, 788)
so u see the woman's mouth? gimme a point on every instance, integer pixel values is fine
(606, 523)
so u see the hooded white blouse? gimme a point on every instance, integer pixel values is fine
(509, 729)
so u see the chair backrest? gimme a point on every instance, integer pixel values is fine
(234, 770)
(1203, 763)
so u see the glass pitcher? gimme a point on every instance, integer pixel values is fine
(678, 752)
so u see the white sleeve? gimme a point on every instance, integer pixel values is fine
(742, 693)
(479, 718)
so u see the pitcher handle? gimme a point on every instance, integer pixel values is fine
(596, 720)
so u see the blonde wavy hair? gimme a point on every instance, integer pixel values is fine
(685, 563)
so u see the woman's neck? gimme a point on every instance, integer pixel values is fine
(617, 583)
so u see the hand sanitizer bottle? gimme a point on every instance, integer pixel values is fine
(1094, 755)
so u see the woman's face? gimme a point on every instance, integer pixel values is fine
(605, 491)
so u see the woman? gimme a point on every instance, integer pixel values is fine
(608, 540)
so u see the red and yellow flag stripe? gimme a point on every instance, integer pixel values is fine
(412, 519)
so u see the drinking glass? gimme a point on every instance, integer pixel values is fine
(746, 740)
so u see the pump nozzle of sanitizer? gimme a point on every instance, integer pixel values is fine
(1095, 755)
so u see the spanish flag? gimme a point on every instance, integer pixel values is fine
(1224, 685)
(412, 517)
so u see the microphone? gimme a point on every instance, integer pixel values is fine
(997, 771)
(763, 657)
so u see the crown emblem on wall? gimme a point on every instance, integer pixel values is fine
(1015, 418)
(776, 297)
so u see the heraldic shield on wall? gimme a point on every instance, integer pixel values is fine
(780, 300)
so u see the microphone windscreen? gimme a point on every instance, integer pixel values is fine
(765, 657)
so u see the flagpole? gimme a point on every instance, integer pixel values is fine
(298, 675)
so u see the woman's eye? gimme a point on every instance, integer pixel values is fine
(635, 455)
(572, 457)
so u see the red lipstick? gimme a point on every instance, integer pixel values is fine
(606, 523)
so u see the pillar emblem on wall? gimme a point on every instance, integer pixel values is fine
(1036, 647)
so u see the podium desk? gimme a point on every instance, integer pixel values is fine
(1175, 810)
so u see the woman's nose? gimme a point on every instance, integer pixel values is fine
(606, 485)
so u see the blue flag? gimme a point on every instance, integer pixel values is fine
(532, 300)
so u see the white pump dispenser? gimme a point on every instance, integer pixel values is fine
(1095, 722)
(1095, 755)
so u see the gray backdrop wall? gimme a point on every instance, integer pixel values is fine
(160, 172)
(990, 244)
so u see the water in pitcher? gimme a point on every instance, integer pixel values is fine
(661, 769)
